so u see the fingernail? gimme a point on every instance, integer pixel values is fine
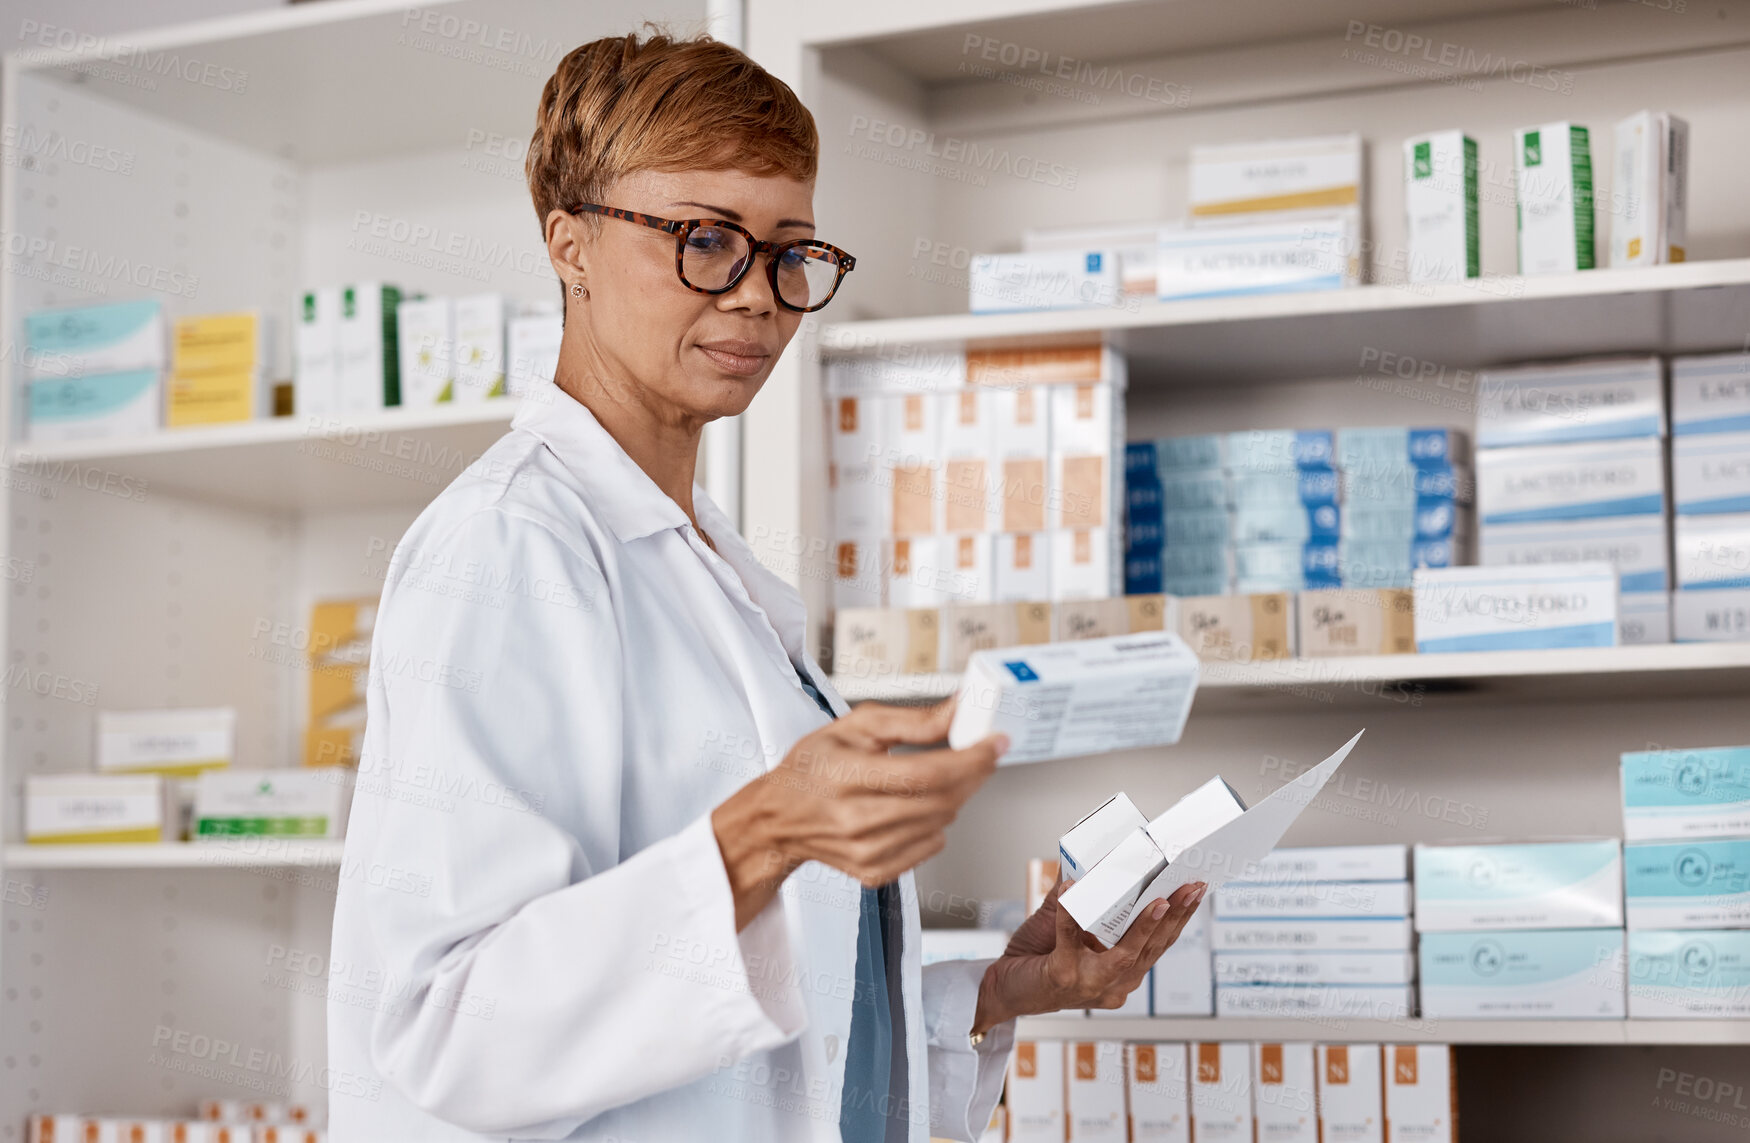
(1198, 894)
(1002, 745)
(1159, 911)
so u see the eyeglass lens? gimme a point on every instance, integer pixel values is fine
(712, 256)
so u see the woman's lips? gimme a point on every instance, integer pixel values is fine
(740, 357)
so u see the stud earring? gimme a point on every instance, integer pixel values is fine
(579, 290)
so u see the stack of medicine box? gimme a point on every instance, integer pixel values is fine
(1231, 513)
(94, 372)
(1710, 485)
(1406, 497)
(471, 349)
(984, 477)
(339, 662)
(346, 356)
(220, 369)
(1321, 931)
(1571, 469)
(1524, 931)
(1686, 866)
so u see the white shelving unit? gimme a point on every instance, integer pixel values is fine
(345, 141)
(926, 160)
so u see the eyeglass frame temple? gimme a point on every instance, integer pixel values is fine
(680, 228)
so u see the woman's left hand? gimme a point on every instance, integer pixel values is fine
(1052, 964)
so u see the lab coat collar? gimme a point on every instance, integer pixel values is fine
(622, 494)
(780, 601)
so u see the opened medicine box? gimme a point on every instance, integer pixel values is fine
(1710, 394)
(1098, 834)
(1351, 1093)
(1606, 398)
(1689, 975)
(1355, 621)
(1553, 183)
(310, 802)
(174, 742)
(1534, 606)
(1541, 885)
(1700, 884)
(1085, 697)
(1440, 207)
(1680, 795)
(1221, 1093)
(1421, 1099)
(84, 808)
(1550, 974)
(1284, 1096)
(1159, 1091)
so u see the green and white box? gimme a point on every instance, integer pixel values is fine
(1689, 975)
(1541, 885)
(369, 370)
(426, 339)
(1678, 795)
(1440, 207)
(316, 368)
(1549, 974)
(1703, 884)
(310, 802)
(1650, 201)
(479, 348)
(1553, 180)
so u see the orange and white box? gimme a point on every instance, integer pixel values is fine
(1159, 1093)
(1284, 1094)
(912, 450)
(862, 495)
(1221, 1093)
(970, 497)
(1021, 567)
(1351, 1095)
(857, 578)
(1095, 1092)
(1081, 564)
(1036, 1092)
(1087, 435)
(1021, 455)
(1421, 1100)
(971, 560)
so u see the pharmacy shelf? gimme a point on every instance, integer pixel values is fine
(1599, 674)
(1389, 1031)
(308, 82)
(247, 853)
(288, 464)
(1455, 327)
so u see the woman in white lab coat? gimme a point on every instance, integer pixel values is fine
(614, 870)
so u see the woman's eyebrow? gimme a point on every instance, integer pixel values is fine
(725, 213)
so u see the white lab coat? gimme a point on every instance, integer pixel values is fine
(534, 935)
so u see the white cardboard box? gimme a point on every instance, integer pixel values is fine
(1035, 1092)
(1643, 618)
(1351, 1094)
(1045, 280)
(316, 354)
(1315, 1001)
(479, 329)
(1254, 257)
(1534, 606)
(1284, 1094)
(861, 479)
(1159, 1091)
(1551, 974)
(531, 351)
(1182, 980)
(1650, 199)
(1600, 398)
(1311, 936)
(1689, 975)
(1095, 1096)
(1540, 483)
(1221, 1093)
(1553, 181)
(1421, 1097)
(970, 499)
(1440, 207)
(1686, 794)
(912, 456)
(1133, 243)
(1021, 451)
(1056, 700)
(1712, 553)
(1022, 567)
(1537, 885)
(1638, 547)
(1082, 564)
(305, 802)
(1315, 899)
(1300, 864)
(858, 578)
(367, 355)
(83, 808)
(1276, 178)
(1710, 616)
(1710, 474)
(1345, 968)
(1699, 884)
(425, 337)
(181, 742)
(1710, 394)
(1098, 834)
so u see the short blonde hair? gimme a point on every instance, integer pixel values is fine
(625, 104)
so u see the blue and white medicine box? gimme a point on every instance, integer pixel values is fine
(1689, 975)
(1286, 523)
(1277, 450)
(1712, 552)
(1635, 545)
(1522, 608)
(1606, 399)
(1045, 280)
(1710, 474)
(1537, 885)
(1551, 974)
(98, 406)
(1257, 258)
(1686, 794)
(1362, 449)
(1571, 482)
(1700, 884)
(1710, 394)
(83, 341)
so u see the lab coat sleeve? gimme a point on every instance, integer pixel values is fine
(965, 1082)
(542, 981)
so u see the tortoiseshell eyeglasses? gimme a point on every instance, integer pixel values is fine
(712, 256)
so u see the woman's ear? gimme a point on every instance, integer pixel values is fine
(567, 249)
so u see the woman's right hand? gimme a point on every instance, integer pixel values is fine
(841, 799)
